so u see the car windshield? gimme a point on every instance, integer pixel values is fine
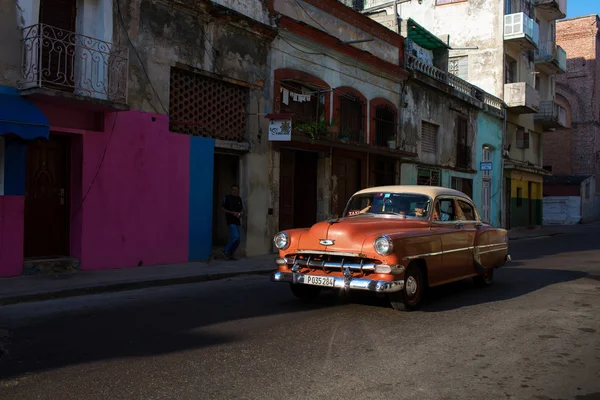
(380, 203)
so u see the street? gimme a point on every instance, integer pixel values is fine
(535, 334)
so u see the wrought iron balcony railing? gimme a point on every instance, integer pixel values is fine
(57, 59)
(457, 83)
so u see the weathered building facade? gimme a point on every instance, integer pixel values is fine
(507, 48)
(343, 99)
(141, 115)
(572, 153)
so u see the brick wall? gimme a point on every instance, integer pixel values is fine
(576, 150)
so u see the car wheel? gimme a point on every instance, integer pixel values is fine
(409, 298)
(305, 292)
(485, 279)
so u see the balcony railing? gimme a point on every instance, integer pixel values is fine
(551, 58)
(551, 9)
(457, 83)
(522, 30)
(61, 60)
(551, 115)
(521, 98)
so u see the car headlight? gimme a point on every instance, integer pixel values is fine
(383, 245)
(282, 240)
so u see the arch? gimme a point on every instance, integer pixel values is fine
(382, 124)
(574, 100)
(350, 113)
(283, 74)
(563, 101)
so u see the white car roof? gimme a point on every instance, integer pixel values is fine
(431, 191)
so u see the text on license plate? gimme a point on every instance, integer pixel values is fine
(319, 280)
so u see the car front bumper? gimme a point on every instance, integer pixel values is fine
(340, 282)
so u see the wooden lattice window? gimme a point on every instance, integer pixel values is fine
(204, 106)
(351, 118)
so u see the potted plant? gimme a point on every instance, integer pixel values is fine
(391, 141)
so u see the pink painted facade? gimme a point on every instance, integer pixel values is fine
(136, 212)
(12, 212)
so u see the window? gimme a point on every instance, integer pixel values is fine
(385, 125)
(306, 103)
(444, 210)
(467, 210)
(519, 197)
(459, 66)
(463, 151)
(442, 2)
(548, 168)
(522, 138)
(486, 156)
(428, 177)
(351, 118)
(1, 166)
(429, 134)
(389, 203)
(203, 106)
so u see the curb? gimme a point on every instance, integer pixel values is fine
(123, 286)
(536, 236)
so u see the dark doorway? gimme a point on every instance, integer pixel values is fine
(383, 171)
(297, 189)
(57, 19)
(47, 197)
(226, 174)
(347, 172)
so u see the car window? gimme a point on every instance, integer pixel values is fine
(467, 210)
(408, 205)
(444, 210)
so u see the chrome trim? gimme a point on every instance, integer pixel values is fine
(493, 250)
(345, 282)
(439, 253)
(508, 258)
(329, 264)
(328, 253)
(485, 246)
(326, 242)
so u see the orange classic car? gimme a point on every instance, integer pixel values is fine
(395, 240)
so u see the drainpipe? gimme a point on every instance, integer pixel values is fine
(502, 180)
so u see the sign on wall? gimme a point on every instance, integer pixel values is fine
(485, 166)
(280, 130)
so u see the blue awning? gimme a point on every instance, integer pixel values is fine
(21, 117)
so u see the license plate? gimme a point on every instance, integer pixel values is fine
(319, 280)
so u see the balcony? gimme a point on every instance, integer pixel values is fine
(521, 31)
(551, 59)
(59, 62)
(521, 98)
(551, 9)
(461, 86)
(551, 115)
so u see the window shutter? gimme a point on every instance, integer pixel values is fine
(429, 137)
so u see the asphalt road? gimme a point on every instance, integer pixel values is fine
(534, 335)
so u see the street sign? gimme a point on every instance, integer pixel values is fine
(485, 166)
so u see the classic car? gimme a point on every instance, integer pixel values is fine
(393, 240)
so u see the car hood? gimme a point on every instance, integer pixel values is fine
(349, 234)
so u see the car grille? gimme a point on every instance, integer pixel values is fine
(328, 262)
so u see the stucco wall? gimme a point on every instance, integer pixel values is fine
(12, 213)
(562, 210)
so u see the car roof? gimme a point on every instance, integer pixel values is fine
(431, 191)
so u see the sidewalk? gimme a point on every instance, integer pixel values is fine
(46, 287)
(548, 230)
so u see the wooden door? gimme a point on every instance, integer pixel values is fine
(347, 173)
(286, 189)
(305, 189)
(47, 198)
(59, 46)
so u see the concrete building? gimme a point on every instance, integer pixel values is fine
(572, 154)
(128, 122)
(343, 99)
(507, 48)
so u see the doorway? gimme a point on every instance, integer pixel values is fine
(297, 189)
(348, 173)
(47, 194)
(226, 174)
(58, 18)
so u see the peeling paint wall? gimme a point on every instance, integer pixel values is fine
(10, 51)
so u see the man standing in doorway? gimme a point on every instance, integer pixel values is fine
(232, 207)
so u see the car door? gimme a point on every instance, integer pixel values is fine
(457, 242)
(470, 226)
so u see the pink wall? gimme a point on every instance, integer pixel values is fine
(12, 214)
(137, 211)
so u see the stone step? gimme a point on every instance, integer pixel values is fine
(51, 265)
